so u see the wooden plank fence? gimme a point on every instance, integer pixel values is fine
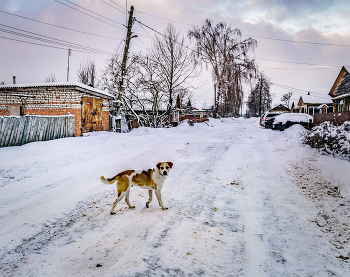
(337, 118)
(19, 130)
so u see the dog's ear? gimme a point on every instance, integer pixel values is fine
(170, 164)
(158, 165)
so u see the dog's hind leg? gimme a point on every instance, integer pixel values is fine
(149, 199)
(127, 199)
(159, 197)
(120, 197)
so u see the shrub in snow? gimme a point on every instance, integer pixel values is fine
(330, 139)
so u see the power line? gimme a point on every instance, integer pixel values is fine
(300, 41)
(164, 18)
(50, 40)
(93, 12)
(91, 15)
(50, 46)
(301, 91)
(111, 6)
(118, 5)
(269, 38)
(57, 26)
(283, 68)
(298, 62)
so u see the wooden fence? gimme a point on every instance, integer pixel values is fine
(337, 118)
(19, 130)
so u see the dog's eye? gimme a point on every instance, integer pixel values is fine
(162, 168)
(167, 167)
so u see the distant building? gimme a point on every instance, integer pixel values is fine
(280, 109)
(89, 105)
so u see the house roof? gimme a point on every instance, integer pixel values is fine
(79, 86)
(314, 99)
(344, 72)
(280, 108)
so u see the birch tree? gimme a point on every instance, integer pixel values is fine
(229, 55)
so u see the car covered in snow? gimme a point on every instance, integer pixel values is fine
(267, 116)
(284, 121)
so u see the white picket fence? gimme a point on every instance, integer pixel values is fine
(19, 130)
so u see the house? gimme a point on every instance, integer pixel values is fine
(280, 109)
(340, 91)
(311, 104)
(90, 106)
(340, 95)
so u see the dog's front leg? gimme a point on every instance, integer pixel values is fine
(159, 197)
(127, 199)
(149, 198)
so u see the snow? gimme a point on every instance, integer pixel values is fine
(317, 99)
(293, 117)
(60, 84)
(243, 201)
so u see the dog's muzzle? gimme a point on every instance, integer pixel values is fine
(165, 173)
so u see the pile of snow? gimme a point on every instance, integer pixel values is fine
(330, 139)
(295, 131)
(293, 117)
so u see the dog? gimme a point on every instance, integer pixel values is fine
(150, 179)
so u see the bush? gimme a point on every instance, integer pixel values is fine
(329, 139)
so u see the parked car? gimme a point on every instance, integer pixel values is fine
(269, 121)
(286, 120)
(266, 116)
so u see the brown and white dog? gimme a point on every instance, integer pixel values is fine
(150, 179)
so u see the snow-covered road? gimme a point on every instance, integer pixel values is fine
(243, 201)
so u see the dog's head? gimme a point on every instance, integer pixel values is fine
(164, 168)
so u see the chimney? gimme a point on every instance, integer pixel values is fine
(14, 79)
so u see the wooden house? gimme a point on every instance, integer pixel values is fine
(311, 104)
(90, 106)
(340, 91)
(280, 109)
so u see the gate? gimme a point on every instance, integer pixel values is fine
(91, 118)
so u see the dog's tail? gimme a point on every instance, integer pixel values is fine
(109, 181)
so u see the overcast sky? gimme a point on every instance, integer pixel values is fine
(307, 66)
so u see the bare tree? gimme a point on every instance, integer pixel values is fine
(286, 98)
(86, 73)
(153, 80)
(50, 79)
(260, 99)
(175, 64)
(223, 48)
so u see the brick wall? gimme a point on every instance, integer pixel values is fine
(338, 118)
(51, 101)
(105, 120)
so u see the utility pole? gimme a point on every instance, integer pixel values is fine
(215, 110)
(123, 69)
(69, 54)
(260, 96)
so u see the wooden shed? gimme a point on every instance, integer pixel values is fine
(90, 106)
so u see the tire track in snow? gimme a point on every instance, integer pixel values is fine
(277, 234)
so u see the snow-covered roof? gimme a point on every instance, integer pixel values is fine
(293, 117)
(91, 90)
(322, 105)
(316, 98)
